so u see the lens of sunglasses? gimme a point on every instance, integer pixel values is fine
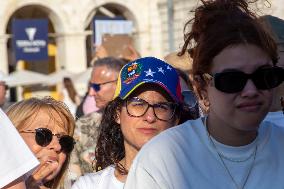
(43, 136)
(230, 82)
(96, 87)
(268, 78)
(235, 81)
(67, 143)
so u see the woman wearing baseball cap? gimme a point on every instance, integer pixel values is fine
(147, 101)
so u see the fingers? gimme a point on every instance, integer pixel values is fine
(47, 166)
(41, 173)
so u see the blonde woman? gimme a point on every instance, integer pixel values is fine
(46, 126)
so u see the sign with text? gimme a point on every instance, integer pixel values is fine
(30, 39)
(111, 26)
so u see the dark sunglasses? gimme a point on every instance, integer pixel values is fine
(235, 81)
(43, 137)
(97, 86)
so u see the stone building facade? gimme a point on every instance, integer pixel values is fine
(69, 26)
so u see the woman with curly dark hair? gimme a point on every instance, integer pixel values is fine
(234, 67)
(146, 102)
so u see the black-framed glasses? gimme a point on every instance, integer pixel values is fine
(137, 107)
(264, 78)
(189, 98)
(97, 86)
(43, 137)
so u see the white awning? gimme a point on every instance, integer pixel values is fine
(25, 77)
(57, 77)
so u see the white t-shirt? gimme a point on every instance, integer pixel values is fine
(16, 159)
(276, 117)
(184, 157)
(104, 179)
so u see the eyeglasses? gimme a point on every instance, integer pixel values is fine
(137, 107)
(189, 98)
(235, 81)
(43, 137)
(97, 86)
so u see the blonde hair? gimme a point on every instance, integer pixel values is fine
(21, 112)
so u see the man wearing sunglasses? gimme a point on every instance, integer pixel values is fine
(276, 27)
(102, 87)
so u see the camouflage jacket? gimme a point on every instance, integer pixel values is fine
(86, 135)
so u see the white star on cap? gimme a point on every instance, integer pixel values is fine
(161, 70)
(169, 68)
(149, 72)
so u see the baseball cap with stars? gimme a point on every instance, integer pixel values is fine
(148, 70)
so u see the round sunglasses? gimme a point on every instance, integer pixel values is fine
(264, 78)
(43, 137)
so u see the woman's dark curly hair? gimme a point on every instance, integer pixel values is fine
(110, 147)
(218, 24)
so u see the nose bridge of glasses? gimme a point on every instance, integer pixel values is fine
(58, 136)
(149, 108)
(250, 87)
(247, 79)
(150, 112)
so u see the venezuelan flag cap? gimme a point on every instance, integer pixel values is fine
(148, 70)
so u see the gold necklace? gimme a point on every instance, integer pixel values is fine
(221, 155)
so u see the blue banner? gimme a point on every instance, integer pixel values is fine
(30, 39)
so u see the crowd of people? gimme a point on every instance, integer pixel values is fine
(209, 116)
